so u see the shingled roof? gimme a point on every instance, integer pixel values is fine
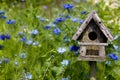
(93, 15)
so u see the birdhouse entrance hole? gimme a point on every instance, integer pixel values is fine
(92, 35)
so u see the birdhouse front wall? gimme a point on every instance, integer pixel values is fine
(92, 34)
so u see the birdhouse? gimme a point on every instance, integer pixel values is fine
(92, 36)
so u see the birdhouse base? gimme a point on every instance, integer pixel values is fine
(91, 58)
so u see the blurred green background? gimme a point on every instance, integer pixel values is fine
(45, 60)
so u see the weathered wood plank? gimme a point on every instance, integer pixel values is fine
(93, 44)
(102, 51)
(82, 27)
(102, 27)
(83, 51)
(91, 58)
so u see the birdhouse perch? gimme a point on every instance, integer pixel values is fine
(92, 36)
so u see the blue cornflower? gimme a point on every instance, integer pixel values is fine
(81, 21)
(58, 20)
(7, 36)
(28, 42)
(10, 21)
(116, 47)
(42, 19)
(75, 19)
(21, 34)
(7, 60)
(68, 6)
(113, 56)
(61, 50)
(2, 12)
(83, 12)
(57, 31)
(3, 17)
(28, 75)
(2, 37)
(68, 16)
(47, 27)
(65, 78)
(34, 32)
(23, 39)
(65, 62)
(74, 48)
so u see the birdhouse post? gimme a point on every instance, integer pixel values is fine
(92, 36)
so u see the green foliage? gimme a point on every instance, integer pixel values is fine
(43, 61)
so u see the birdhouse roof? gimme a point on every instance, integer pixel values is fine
(93, 16)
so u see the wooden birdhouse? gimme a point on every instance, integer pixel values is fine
(92, 36)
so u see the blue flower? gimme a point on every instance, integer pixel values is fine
(2, 37)
(65, 62)
(47, 27)
(68, 6)
(42, 19)
(81, 21)
(57, 31)
(2, 12)
(75, 19)
(68, 16)
(116, 47)
(23, 55)
(74, 48)
(113, 56)
(83, 12)
(23, 39)
(7, 60)
(34, 32)
(65, 78)
(7, 36)
(3, 17)
(58, 20)
(61, 50)
(28, 76)
(28, 42)
(10, 21)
